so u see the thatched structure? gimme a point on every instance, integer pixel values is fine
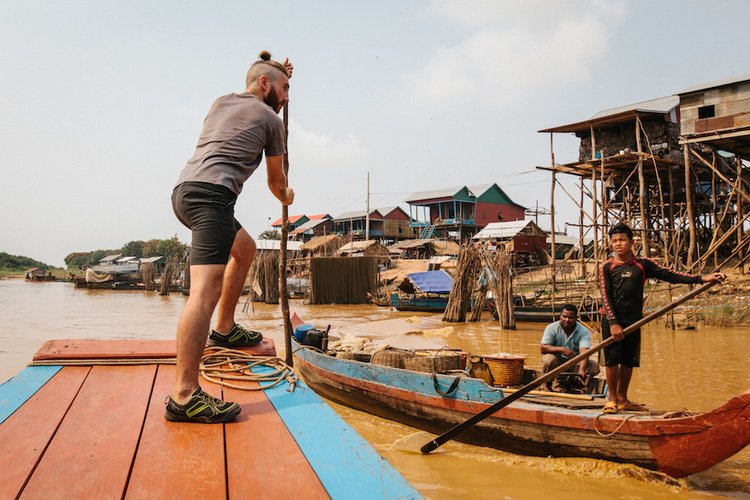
(370, 248)
(322, 246)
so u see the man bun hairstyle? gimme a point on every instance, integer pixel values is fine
(264, 66)
(621, 228)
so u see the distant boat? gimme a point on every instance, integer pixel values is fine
(426, 291)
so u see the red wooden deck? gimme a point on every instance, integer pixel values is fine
(99, 431)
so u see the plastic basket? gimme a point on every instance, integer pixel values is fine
(506, 369)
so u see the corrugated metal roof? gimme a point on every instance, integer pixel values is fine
(292, 220)
(479, 189)
(716, 83)
(319, 216)
(311, 224)
(151, 260)
(660, 105)
(108, 258)
(502, 229)
(433, 194)
(127, 259)
(358, 214)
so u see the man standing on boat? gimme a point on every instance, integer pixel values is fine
(564, 340)
(621, 279)
(238, 129)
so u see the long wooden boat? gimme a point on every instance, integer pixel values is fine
(673, 443)
(421, 302)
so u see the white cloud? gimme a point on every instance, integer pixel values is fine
(513, 50)
(325, 153)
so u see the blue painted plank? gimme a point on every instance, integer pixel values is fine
(17, 390)
(346, 464)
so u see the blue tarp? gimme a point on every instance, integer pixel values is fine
(432, 281)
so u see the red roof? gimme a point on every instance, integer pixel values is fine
(292, 220)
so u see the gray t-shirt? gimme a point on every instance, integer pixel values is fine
(236, 131)
(554, 335)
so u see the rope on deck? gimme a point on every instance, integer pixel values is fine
(220, 364)
(617, 429)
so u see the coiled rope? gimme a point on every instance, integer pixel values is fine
(617, 429)
(221, 365)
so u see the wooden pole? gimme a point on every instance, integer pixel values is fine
(645, 247)
(581, 246)
(367, 214)
(689, 204)
(595, 224)
(603, 186)
(283, 295)
(738, 188)
(552, 221)
(670, 236)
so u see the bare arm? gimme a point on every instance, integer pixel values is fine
(553, 349)
(583, 363)
(277, 180)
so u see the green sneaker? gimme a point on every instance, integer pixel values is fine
(238, 336)
(201, 407)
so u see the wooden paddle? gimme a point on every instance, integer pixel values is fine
(284, 296)
(457, 429)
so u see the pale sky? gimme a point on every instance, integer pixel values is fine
(101, 102)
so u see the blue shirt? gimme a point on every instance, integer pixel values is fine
(555, 336)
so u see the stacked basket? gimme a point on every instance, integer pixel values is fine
(507, 369)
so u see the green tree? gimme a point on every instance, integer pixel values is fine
(270, 234)
(19, 262)
(134, 248)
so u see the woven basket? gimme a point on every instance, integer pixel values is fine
(506, 370)
(391, 357)
(438, 361)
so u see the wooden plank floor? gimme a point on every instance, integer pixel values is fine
(99, 431)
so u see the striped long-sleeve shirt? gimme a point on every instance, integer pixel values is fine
(622, 287)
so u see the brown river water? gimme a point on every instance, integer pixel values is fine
(698, 370)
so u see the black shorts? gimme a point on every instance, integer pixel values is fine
(208, 211)
(626, 352)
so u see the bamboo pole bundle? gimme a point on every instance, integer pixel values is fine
(463, 284)
(499, 280)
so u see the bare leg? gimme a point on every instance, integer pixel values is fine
(626, 373)
(242, 255)
(192, 328)
(613, 381)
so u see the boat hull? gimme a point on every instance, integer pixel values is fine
(676, 446)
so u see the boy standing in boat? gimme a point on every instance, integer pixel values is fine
(622, 279)
(563, 340)
(238, 129)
